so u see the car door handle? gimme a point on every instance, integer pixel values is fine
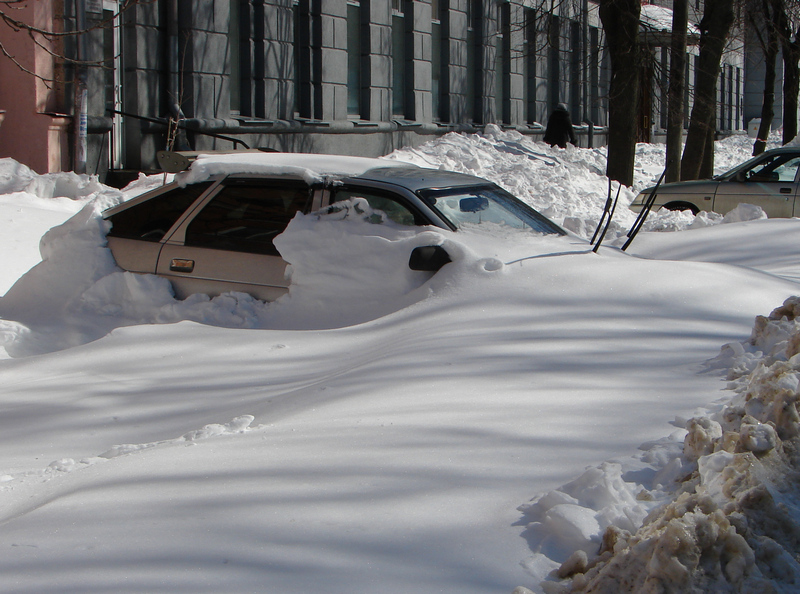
(786, 190)
(181, 265)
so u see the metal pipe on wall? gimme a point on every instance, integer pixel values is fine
(81, 108)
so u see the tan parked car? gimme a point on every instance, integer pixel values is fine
(211, 230)
(769, 180)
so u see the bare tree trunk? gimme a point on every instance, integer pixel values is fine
(790, 48)
(677, 64)
(791, 89)
(620, 20)
(714, 28)
(769, 14)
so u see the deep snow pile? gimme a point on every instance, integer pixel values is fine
(568, 185)
(730, 522)
(77, 294)
(80, 287)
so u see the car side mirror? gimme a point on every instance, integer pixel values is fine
(428, 258)
(741, 176)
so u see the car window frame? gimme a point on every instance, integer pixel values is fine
(774, 162)
(420, 220)
(156, 195)
(230, 240)
(178, 232)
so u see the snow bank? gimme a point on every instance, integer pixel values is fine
(76, 294)
(348, 265)
(569, 185)
(724, 521)
(16, 177)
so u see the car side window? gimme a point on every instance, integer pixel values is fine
(150, 220)
(246, 215)
(781, 169)
(391, 205)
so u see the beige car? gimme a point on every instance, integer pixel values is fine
(211, 230)
(769, 180)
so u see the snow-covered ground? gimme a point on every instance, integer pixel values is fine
(369, 433)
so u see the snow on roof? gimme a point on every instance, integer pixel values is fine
(310, 167)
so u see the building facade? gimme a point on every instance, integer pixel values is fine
(340, 76)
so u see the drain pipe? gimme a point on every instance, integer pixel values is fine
(81, 108)
(173, 58)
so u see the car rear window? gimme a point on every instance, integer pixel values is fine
(150, 220)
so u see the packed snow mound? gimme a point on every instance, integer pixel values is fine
(348, 265)
(728, 524)
(16, 177)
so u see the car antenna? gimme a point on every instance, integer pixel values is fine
(610, 212)
(637, 224)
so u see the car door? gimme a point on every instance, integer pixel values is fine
(770, 184)
(227, 243)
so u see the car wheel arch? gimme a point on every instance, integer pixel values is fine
(682, 205)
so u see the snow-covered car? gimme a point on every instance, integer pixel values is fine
(211, 230)
(769, 180)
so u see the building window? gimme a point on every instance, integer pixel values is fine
(305, 91)
(503, 66)
(687, 87)
(474, 71)
(398, 59)
(234, 41)
(529, 65)
(663, 88)
(594, 74)
(575, 78)
(554, 62)
(730, 98)
(739, 123)
(436, 61)
(353, 59)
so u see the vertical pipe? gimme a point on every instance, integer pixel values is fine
(173, 58)
(81, 109)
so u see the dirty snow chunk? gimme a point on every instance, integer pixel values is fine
(758, 438)
(578, 562)
(715, 471)
(732, 525)
(701, 437)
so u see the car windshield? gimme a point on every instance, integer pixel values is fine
(486, 204)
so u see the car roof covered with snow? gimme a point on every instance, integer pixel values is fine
(316, 168)
(310, 167)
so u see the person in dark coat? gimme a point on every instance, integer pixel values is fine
(559, 129)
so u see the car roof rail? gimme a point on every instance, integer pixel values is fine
(177, 161)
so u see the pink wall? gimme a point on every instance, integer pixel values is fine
(33, 132)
